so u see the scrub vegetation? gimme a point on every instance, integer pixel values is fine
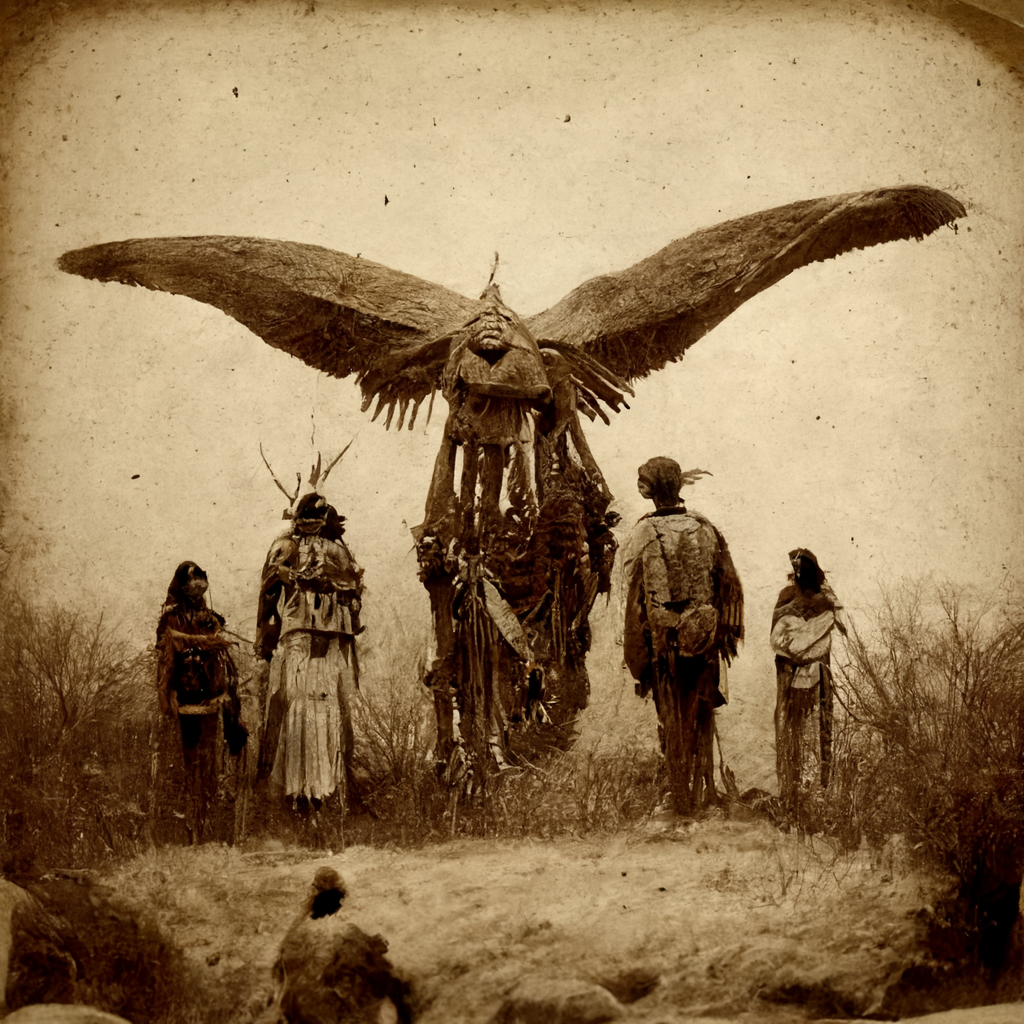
(922, 818)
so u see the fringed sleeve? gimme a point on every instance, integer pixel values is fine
(636, 643)
(728, 598)
(165, 675)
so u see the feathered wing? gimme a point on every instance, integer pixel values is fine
(636, 321)
(340, 314)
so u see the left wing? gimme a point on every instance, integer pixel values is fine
(637, 320)
(338, 313)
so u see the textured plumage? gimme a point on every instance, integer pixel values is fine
(345, 315)
(636, 321)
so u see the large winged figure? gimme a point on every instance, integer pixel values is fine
(516, 543)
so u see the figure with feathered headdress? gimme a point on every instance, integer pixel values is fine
(307, 622)
(683, 619)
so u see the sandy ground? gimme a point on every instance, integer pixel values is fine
(734, 919)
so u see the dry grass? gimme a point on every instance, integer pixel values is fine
(598, 785)
(607, 781)
(724, 916)
(93, 778)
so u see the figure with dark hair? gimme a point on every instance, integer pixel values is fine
(308, 619)
(197, 683)
(329, 970)
(805, 614)
(683, 619)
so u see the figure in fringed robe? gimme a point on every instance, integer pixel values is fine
(512, 554)
(197, 683)
(683, 618)
(308, 619)
(805, 614)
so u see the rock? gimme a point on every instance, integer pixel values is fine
(754, 804)
(820, 993)
(77, 942)
(1002, 1013)
(558, 1001)
(631, 983)
(11, 896)
(62, 1013)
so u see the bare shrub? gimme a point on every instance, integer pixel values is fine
(595, 786)
(93, 771)
(75, 732)
(931, 749)
(393, 761)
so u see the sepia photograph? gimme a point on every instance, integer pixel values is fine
(511, 512)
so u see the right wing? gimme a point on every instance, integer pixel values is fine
(635, 321)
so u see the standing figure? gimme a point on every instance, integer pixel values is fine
(307, 621)
(515, 544)
(805, 614)
(684, 616)
(197, 683)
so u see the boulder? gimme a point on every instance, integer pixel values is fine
(1002, 1013)
(74, 941)
(558, 1001)
(62, 1013)
(11, 897)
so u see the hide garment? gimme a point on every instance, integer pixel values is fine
(683, 618)
(197, 683)
(308, 620)
(806, 614)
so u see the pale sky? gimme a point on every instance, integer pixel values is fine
(868, 408)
